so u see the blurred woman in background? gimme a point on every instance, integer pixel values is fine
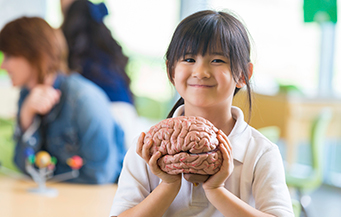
(65, 115)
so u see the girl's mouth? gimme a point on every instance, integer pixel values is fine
(201, 85)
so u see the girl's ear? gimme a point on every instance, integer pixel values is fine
(242, 82)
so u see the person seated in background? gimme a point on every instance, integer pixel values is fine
(93, 52)
(62, 113)
(96, 55)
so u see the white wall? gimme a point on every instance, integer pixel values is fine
(12, 9)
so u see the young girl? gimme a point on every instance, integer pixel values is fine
(65, 115)
(208, 61)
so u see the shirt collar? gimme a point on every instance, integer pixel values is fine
(180, 111)
(239, 136)
(58, 81)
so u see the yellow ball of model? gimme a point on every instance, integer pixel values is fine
(43, 159)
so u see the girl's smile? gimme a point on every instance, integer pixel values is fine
(201, 85)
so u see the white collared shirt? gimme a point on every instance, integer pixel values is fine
(258, 178)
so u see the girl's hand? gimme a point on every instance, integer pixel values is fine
(218, 180)
(41, 99)
(143, 149)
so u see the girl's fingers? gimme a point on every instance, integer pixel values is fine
(154, 167)
(143, 150)
(225, 150)
(153, 162)
(143, 147)
(220, 132)
(225, 144)
(140, 144)
(146, 149)
(223, 139)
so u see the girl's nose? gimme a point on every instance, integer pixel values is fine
(201, 72)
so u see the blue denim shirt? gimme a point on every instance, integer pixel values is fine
(80, 124)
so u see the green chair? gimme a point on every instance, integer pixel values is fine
(7, 144)
(306, 181)
(296, 206)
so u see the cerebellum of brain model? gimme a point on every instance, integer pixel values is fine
(188, 145)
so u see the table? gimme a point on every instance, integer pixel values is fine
(293, 114)
(72, 200)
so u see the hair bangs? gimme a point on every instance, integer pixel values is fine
(202, 38)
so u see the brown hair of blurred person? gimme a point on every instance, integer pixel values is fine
(34, 39)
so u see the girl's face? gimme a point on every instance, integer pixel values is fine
(20, 71)
(204, 81)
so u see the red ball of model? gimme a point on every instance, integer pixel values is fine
(75, 162)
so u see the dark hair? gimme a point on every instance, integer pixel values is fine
(85, 33)
(206, 31)
(35, 40)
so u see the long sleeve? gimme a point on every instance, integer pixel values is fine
(101, 142)
(31, 138)
(135, 183)
(269, 188)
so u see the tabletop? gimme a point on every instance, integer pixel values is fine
(72, 199)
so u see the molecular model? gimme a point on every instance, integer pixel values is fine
(41, 166)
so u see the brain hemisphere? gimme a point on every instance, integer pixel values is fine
(187, 145)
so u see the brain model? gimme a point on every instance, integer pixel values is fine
(188, 145)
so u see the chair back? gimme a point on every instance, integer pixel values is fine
(317, 139)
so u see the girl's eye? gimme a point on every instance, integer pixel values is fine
(189, 60)
(218, 61)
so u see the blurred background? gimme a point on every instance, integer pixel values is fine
(296, 51)
(286, 50)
